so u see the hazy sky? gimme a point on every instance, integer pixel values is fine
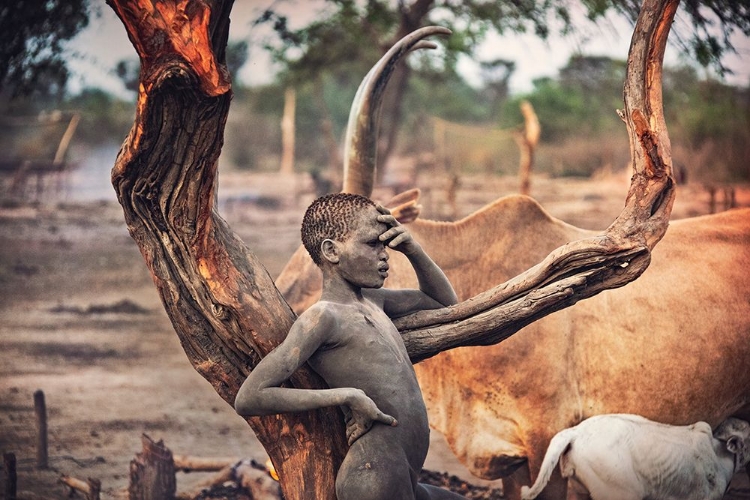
(105, 42)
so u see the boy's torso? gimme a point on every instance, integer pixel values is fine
(365, 351)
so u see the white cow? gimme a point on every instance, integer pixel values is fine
(628, 457)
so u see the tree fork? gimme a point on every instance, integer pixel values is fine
(223, 304)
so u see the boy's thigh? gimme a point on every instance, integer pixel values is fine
(383, 474)
(429, 492)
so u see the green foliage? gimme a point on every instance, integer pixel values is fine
(32, 38)
(581, 101)
(104, 118)
(709, 124)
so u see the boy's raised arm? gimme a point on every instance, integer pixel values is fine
(432, 280)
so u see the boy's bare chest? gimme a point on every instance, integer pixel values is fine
(368, 332)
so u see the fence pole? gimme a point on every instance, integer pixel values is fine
(40, 408)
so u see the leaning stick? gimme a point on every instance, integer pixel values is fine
(188, 463)
(91, 487)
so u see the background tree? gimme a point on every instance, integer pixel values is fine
(348, 33)
(32, 41)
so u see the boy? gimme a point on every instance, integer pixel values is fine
(348, 338)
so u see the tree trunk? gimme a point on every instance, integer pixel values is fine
(152, 472)
(220, 299)
(222, 302)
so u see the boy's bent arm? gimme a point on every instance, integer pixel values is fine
(432, 280)
(435, 290)
(260, 393)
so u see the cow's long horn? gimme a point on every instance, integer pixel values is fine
(360, 149)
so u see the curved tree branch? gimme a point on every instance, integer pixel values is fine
(582, 268)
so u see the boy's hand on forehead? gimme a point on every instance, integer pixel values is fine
(396, 236)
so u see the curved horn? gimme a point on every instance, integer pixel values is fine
(360, 149)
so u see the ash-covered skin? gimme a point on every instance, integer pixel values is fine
(348, 338)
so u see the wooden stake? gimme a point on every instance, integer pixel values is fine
(152, 474)
(40, 409)
(9, 465)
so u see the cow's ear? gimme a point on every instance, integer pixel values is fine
(735, 445)
(329, 249)
(405, 206)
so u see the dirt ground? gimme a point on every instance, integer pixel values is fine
(81, 321)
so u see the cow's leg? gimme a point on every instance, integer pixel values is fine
(555, 489)
(512, 484)
(577, 491)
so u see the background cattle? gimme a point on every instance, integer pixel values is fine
(628, 457)
(672, 345)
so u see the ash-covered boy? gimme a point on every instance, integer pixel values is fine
(348, 338)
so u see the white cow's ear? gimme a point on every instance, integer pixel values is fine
(735, 445)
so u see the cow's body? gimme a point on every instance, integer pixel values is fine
(673, 346)
(628, 457)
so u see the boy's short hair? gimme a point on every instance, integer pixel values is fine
(330, 216)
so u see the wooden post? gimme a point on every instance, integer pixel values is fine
(95, 488)
(527, 142)
(288, 131)
(40, 409)
(712, 199)
(152, 474)
(9, 465)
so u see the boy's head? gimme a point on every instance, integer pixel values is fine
(330, 217)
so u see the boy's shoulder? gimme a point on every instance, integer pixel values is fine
(322, 312)
(330, 313)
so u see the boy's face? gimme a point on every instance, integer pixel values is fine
(363, 258)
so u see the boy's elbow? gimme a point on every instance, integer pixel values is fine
(244, 404)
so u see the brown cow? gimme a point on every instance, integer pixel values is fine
(672, 346)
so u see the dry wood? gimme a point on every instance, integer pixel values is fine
(222, 302)
(288, 133)
(11, 477)
(152, 474)
(91, 488)
(187, 463)
(245, 473)
(40, 411)
(527, 141)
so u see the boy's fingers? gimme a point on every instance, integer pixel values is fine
(387, 419)
(391, 233)
(397, 240)
(382, 209)
(388, 219)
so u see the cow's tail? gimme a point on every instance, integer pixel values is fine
(557, 447)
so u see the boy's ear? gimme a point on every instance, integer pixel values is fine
(330, 251)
